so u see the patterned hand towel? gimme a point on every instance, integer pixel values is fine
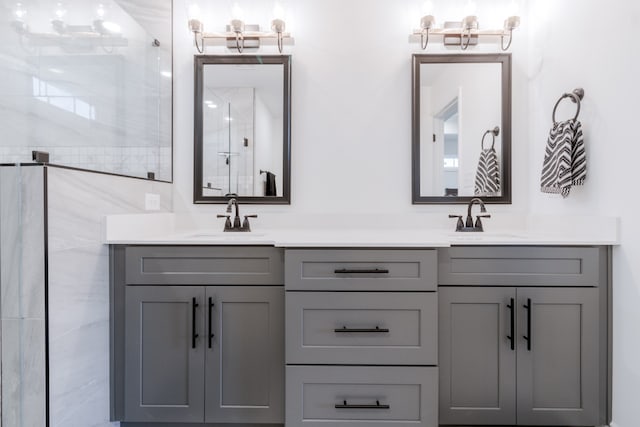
(488, 174)
(565, 159)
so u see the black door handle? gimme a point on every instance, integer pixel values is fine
(512, 315)
(211, 334)
(194, 335)
(527, 337)
(345, 405)
(377, 329)
(364, 271)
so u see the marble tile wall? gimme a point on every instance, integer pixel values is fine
(22, 250)
(79, 288)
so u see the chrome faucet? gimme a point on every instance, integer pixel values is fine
(236, 226)
(468, 224)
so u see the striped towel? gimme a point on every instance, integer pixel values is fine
(488, 174)
(565, 159)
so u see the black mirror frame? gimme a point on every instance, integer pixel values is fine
(199, 62)
(505, 128)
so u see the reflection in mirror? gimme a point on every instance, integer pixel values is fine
(88, 82)
(461, 128)
(242, 129)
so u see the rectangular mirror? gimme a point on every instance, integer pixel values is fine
(461, 128)
(242, 129)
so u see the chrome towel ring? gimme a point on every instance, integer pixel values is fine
(575, 96)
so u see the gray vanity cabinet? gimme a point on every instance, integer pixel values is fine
(207, 354)
(361, 337)
(524, 354)
(244, 364)
(163, 371)
(477, 365)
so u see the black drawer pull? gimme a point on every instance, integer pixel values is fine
(365, 271)
(211, 334)
(377, 329)
(527, 337)
(345, 405)
(194, 334)
(512, 310)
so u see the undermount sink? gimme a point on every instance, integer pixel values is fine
(485, 235)
(222, 235)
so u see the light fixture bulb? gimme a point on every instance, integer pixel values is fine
(511, 23)
(19, 11)
(60, 11)
(277, 26)
(100, 11)
(427, 22)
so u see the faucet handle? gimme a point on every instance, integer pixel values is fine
(479, 222)
(245, 223)
(227, 223)
(459, 224)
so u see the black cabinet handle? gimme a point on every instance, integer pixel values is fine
(364, 271)
(527, 337)
(345, 405)
(194, 335)
(211, 334)
(377, 329)
(512, 316)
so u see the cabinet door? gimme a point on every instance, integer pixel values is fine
(245, 356)
(477, 362)
(164, 377)
(558, 369)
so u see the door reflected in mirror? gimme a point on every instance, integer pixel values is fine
(242, 145)
(458, 101)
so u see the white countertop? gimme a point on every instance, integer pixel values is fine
(171, 229)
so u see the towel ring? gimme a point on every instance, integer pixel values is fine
(575, 96)
(494, 132)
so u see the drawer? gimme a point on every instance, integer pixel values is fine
(348, 396)
(522, 266)
(203, 265)
(360, 270)
(362, 328)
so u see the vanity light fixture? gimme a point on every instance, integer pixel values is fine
(465, 32)
(19, 13)
(238, 35)
(469, 23)
(99, 32)
(426, 24)
(510, 24)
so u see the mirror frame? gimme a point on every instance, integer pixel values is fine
(199, 62)
(505, 128)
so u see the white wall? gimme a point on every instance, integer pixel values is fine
(577, 43)
(352, 120)
(351, 90)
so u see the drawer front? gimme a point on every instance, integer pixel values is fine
(521, 266)
(341, 396)
(361, 270)
(362, 328)
(203, 265)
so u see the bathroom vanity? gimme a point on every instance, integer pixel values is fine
(438, 334)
